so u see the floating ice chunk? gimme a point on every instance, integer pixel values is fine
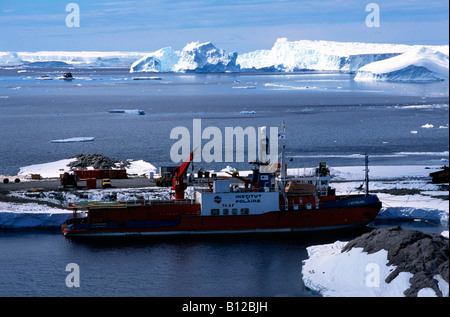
(77, 139)
(244, 87)
(427, 126)
(128, 111)
(147, 78)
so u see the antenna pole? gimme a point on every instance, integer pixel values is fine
(283, 144)
(367, 173)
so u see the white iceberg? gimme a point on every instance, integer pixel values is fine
(284, 56)
(417, 64)
(76, 139)
(162, 60)
(320, 55)
(205, 57)
(194, 57)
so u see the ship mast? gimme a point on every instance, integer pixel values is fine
(283, 164)
(366, 170)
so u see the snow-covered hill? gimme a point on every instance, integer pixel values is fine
(417, 64)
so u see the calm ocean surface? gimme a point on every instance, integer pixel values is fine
(328, 117)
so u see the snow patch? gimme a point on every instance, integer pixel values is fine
(351, 274)
(47, 170)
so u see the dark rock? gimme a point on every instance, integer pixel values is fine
(422, 254)
(97, 161)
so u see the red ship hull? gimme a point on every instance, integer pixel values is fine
(185, 219)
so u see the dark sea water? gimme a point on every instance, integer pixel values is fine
(328, 117)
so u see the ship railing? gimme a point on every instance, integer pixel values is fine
(173, 202)
(142, 202)
(239, 190)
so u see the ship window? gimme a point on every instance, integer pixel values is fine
(234, 211)
(225, 212)
(244, 211)
(215, 212)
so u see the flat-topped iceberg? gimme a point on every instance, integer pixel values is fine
(417, 64)
(288, 56)
(194, 57)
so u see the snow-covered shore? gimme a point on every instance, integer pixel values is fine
(406, 193)
(341, 269)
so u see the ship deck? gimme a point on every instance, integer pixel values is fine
(118, 204)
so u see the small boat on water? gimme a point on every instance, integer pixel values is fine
(269, 201)
(67, 76)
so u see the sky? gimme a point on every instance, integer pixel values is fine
(234, 25)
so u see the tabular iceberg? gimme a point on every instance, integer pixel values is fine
(417, 64)
(317, 55)
(194, 57)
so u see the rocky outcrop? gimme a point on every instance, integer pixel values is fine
(424, 255)
(96, 161)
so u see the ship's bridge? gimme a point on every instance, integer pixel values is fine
(226, 200)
